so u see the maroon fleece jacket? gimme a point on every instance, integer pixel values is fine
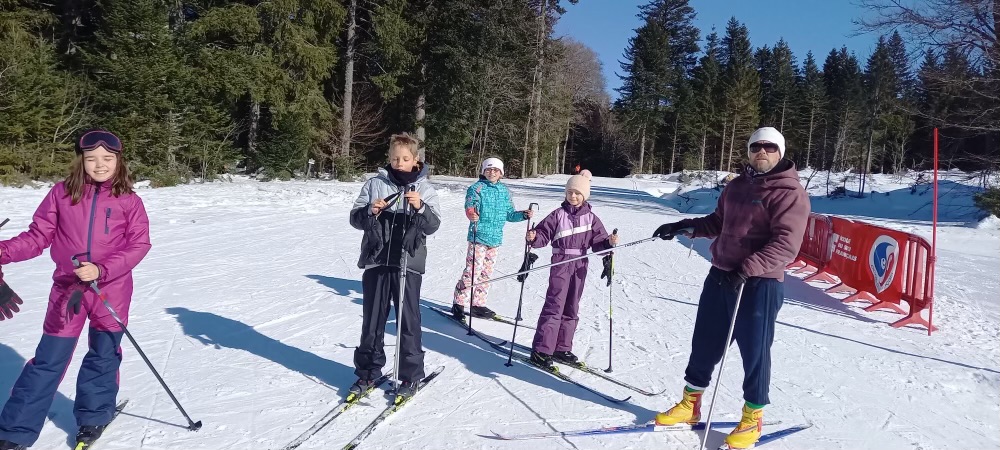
(758, 223)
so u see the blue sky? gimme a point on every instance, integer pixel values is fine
(817, 25)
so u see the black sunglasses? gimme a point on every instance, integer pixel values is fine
(98, 138)
(769, 147)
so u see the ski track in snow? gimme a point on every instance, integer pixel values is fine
(249, 305)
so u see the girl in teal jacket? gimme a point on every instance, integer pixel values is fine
(489, 207)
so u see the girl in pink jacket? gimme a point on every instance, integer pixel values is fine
(95, 216)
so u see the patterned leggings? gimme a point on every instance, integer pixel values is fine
(485, 257)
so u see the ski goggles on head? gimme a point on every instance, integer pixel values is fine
(99, 138)
(770, 147)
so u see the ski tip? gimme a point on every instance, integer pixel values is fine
(195, 426)
(435, 373)
(495, 436)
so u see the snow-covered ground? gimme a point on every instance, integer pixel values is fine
(249, 305)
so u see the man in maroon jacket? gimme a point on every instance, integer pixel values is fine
(757, 226)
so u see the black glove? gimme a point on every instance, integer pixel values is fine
(8, 301)
(529, 259)
(608, 269)
(373, 238)
(667, 231)
(414, 236)
(735, 279)
(73, 305)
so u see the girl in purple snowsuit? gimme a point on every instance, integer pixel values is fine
(93, 216)
(571, 229)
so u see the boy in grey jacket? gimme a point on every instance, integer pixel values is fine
(390, 229)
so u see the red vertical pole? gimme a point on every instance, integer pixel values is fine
(933, 258)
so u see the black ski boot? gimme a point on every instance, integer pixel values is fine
(458, 312)
(89, 433)
(483, 312)
(542, 360)
(567, 358)
(359, 388)
(405, 390)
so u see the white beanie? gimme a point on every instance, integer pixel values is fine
(491, 163)
(580, 183)
(768, 134)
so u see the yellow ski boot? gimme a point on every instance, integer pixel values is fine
(688, 410)
(746, 434)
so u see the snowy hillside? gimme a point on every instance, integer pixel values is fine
(249, 305)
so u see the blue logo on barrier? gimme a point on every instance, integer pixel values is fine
(882, 261)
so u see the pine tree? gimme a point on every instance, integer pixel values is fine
(41, 107)
(656, 63)
(777, 85)
(881, 91)
(811, 109)
(703, 120)
(269, 65)
(898, 121)
(141, 80)
(646, 85)
(741, 83)
(843, 82)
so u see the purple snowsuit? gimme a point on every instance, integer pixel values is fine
(571, 230)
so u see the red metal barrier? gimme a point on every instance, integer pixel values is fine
(816, 249)
(874, 264)
(918, 285)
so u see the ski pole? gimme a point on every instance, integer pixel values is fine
(611, 320)
(472, 275)
(520, 299)
(725, 353)
(588, 255)
(192, 425)
(402, 296)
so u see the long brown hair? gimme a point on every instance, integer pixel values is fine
(121, 181)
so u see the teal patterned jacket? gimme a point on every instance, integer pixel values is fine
(493, 203)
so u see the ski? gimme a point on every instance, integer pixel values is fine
(89, 445)
(341, 407)
(773, 436)
(600, 374)
(509, 321)
(636, 428)
(391, 409)
(554, 371)
(501, 347)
